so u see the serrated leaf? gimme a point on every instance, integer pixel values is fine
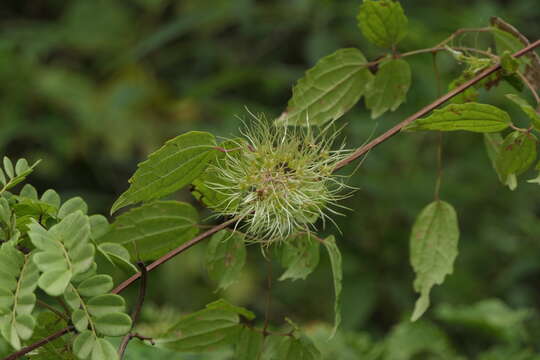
(433, 249)
(471, 116)
(337, 275)
(299, 256)
(169, 169)
(249, 344)
(328, 90)
(527, 109)
(225, 257)
(389, 88)
(72, 205)
(113, 324)
(493, 143)
(152, 230)
(95, 285)
(382, 22)
(517, 153)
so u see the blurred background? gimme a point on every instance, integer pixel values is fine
(92, 87)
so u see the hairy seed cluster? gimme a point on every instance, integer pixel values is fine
(278, 179)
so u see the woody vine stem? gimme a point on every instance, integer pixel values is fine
(355, 155)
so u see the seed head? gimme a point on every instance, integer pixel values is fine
(278, 179)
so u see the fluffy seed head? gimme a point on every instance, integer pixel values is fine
(278, 179)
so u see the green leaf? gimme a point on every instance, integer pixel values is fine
(249, 344)
(62, 252)
(224, 305)
(328, 90)
(289, 348)
(21, 167)
(71, 206)
(493, 143)
(490, 316)
(19, 279)
(471, 116)
(52, 198)
(113, 324)
(203, 330)
(509, 63)
(95, 285)
(169, 169)
(14, 177)
(99, 226)
(517, 153)
(527, 109)
(105, 304)
(225, 257)
(29, 191)
(382, 22)
(117, 255)
(434, 247)
(337, 274)
(8, 167)
(413, 340)
(152, 230)
(48, 323)
(300, 256)
(389, 88)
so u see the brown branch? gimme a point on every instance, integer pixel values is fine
(355, 155)
(136, 311)
(39, 343)
(428, 108)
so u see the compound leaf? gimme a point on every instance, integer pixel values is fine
(433, 247)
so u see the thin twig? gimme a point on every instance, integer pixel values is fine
(53, 309)
(463, 31)
(428, 108)
(358, 153)
(136, 311)
(530, 87)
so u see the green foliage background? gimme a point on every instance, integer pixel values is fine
(91, 87)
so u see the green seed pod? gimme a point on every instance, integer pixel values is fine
(279, 179)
